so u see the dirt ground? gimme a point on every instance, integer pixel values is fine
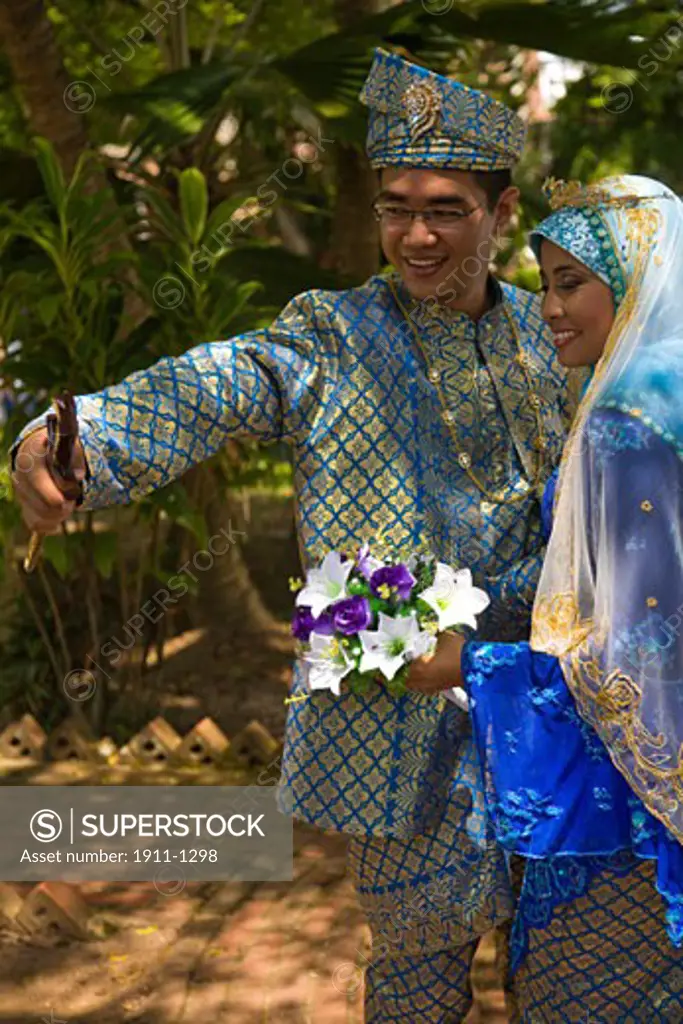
(238, 953)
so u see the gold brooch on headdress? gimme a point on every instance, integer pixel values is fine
(422, 105)
(574, 193)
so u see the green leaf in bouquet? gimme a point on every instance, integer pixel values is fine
(424, 609)
(425, 572)
(353, 650)
(397, 686)
(359, 683)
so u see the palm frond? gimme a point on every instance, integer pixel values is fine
(329, 72)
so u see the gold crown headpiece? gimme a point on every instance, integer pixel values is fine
(574, 193)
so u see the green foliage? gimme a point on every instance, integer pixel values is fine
(175, 505)
(66, 301)
(26, 680)
(194, 202)
(601, 30)
(282, 274)
(527, 277)
(181, 273)
(260, 468)
(328, 72)
(614, 121)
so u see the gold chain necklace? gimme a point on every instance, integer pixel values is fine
(464, 458)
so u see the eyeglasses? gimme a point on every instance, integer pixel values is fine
(396, 216)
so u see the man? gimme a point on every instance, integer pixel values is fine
(438, 423)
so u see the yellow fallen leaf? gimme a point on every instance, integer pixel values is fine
(147, 930)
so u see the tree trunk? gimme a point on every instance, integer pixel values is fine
(40, 77)
(231, 604)
(354, 242)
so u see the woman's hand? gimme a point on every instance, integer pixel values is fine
(438, 671)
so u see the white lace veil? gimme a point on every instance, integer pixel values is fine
(610, 599)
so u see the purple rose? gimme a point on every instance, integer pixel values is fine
(324, 624)
(395, 576)
(351, 615)
(303, 623)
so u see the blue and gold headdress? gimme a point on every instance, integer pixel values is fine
(420, 119)
(580, 224)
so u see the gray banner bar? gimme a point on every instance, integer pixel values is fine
(138, 833)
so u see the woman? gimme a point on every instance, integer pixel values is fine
(580, 732)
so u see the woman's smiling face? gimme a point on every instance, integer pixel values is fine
(577, 305)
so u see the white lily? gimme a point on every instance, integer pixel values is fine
(327, 662)
(458, 697)
(453, 598)
(424, 644)
(395, 642)
(325, 585)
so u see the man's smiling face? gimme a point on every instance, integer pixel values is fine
(454, 243)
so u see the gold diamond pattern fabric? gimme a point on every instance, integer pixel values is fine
(340, 377)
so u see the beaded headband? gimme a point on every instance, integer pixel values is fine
(574, 193)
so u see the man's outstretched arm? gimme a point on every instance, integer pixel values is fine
(139, 435)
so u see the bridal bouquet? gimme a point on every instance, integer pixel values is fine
(365, 619)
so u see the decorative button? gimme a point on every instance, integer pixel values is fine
(646, 506)
(465, 460)
(448, 417)
(652, 602)
(534, 401)
(434, 375)
(539, 444)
